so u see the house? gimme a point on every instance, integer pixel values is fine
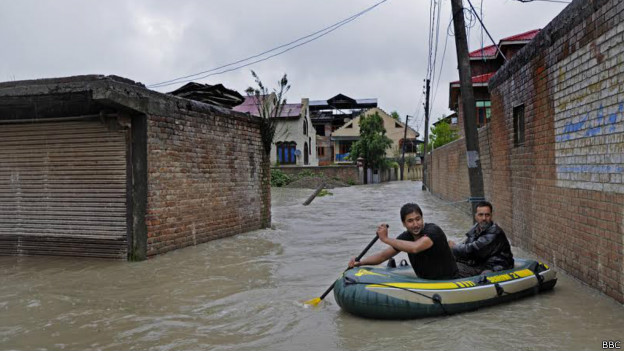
(451, 120)
(484, 63)
(331, 114)
(343, 137)
(294, 143)
(100, 166)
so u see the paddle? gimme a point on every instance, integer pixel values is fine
(315, 301)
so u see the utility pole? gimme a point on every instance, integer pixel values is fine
(424, 164)
(468, 106)
(404, 140)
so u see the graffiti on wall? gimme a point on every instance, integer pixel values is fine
(601, 124)
(589, 149)
(589, 115)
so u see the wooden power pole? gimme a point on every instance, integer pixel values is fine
(468, 106)
(425, 185)
(403, 151)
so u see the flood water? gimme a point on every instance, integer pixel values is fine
(246, 292)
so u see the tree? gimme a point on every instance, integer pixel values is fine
(270, 105)
(395, 115)
(442, 134)
(373, 142)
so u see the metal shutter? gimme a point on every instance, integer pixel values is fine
(63, 189)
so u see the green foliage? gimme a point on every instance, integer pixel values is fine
(307, 173)
(324, 192)
(393, 164)
(269, 105)
(442, 134)
(279, 178)
(373, 142)
(395, 115)
(351, 181)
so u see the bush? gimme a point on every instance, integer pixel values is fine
(308, 173)
(279, 178)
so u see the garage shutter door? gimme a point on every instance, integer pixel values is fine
(62, 189)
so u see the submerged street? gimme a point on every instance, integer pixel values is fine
(246, 292)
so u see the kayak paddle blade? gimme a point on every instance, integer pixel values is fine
(315, 301)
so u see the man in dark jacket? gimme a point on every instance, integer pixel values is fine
(486, 247)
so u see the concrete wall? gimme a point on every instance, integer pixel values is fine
(207, 178)
(560, 193)
(346, 173)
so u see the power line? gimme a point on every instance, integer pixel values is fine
(486, 31)
(555, 1)
(435, 94)
(316, 35)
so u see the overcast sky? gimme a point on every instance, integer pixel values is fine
(381, 54)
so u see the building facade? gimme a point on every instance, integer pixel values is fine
(100, 166)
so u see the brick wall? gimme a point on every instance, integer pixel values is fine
(447, 173)
(207, 178)
(560, 194)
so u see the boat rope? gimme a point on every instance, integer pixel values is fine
(540, 278)
(437, 299)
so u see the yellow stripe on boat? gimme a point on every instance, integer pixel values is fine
(362, 272)
(427, 286)
(453, 285)
(510, 276)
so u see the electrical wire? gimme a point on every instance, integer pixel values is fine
(486, 31)
(316, 35)
(555, 1)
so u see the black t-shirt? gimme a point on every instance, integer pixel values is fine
(437, 262)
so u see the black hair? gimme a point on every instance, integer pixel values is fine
(485, 204)
(410, 208)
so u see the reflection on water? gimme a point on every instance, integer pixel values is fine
(245, 292)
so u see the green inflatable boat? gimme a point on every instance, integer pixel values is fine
(396, 293)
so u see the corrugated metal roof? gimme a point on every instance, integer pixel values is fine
(491, 51)
(488, 51)
(291, 110)
(366, 101)
(250, 105)
(526, 36)
(480, 79)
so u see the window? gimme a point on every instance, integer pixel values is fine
(286, 152)
(483, 112)
(344, 147)
(320, 151)
(305, 127)
(518, 125)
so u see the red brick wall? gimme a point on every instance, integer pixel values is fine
(561, 193)
(447, 174)
(207, 178)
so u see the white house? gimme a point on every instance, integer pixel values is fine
(294, 143)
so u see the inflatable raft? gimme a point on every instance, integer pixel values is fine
(396, 293)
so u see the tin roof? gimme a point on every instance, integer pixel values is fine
(491, 51)
(480, 79)
(250, 105)
(526, 36)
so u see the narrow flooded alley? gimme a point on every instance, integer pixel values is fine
(246, 292)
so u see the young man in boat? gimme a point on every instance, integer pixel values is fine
(426, 246)
(486, 248)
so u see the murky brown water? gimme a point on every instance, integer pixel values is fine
(245, 292)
